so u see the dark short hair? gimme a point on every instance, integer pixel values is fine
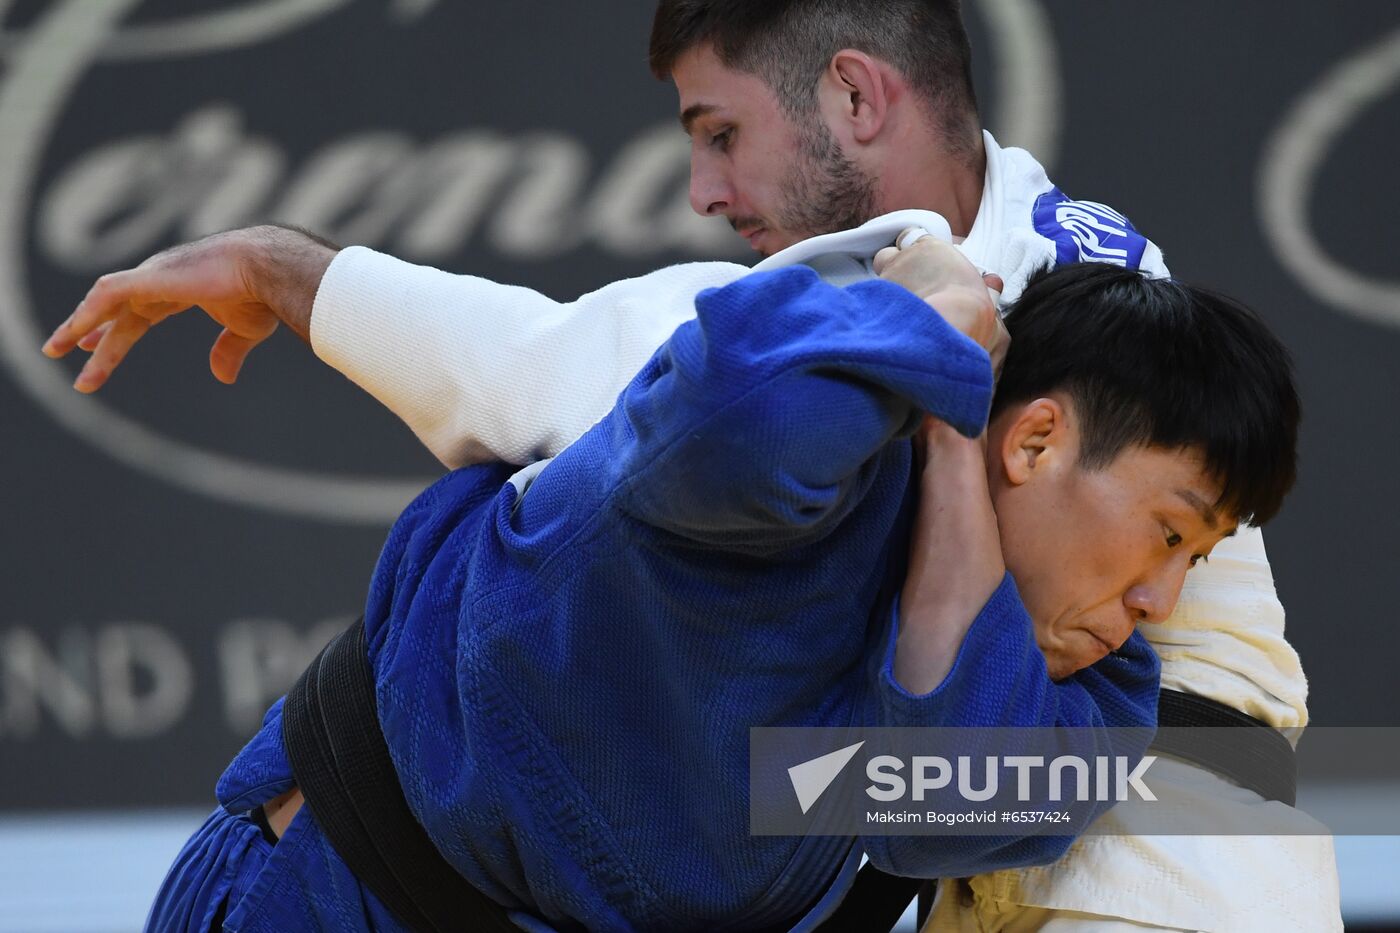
(790, 43)
(1157, 362)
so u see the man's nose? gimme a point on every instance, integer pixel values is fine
(1154, 599)
(710, 192)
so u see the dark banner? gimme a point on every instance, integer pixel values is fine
(175, 550)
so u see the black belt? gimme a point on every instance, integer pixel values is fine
(1247, 750)
(341, 763)
(876, 901)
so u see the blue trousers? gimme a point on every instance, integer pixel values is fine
(229, 872)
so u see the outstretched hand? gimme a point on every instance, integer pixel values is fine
(249, 281)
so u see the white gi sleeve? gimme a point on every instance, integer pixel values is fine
(1225, 639)
(482, 371)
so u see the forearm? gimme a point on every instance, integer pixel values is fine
(484, 371)
(760, 418)
(955, 559)
(478, 370)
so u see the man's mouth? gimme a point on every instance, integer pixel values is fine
(1108, 647)
(752, 234)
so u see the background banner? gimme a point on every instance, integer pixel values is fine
(176, 550)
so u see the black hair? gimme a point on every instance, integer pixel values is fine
(790, 43)
(1157, 362)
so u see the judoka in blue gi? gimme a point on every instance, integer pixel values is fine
(566, 669)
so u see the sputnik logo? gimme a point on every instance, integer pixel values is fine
(811, 778)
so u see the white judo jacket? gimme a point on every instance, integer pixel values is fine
(481, 371)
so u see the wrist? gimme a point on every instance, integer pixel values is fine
(939, 438)
(283, 268)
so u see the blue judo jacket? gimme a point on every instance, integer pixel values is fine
(566, 677)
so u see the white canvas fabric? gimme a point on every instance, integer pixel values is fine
(1113, 883)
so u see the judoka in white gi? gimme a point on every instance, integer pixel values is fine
(805, 117)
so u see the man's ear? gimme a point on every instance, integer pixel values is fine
(1036, 433)
(860, 87)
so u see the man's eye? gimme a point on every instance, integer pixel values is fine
(1174, 539)
(721, 140)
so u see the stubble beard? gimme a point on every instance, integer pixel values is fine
(825, 191)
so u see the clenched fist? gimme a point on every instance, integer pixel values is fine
(939, 274)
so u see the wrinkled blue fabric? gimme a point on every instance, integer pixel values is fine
(566, 679)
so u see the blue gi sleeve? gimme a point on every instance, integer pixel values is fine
(758, 421)
(999, 679)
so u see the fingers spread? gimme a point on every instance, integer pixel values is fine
(135, 291)
(104, 301)
(111, 350)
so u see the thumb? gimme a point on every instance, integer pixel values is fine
(228, 353)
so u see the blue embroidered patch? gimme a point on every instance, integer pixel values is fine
(1085, 231)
